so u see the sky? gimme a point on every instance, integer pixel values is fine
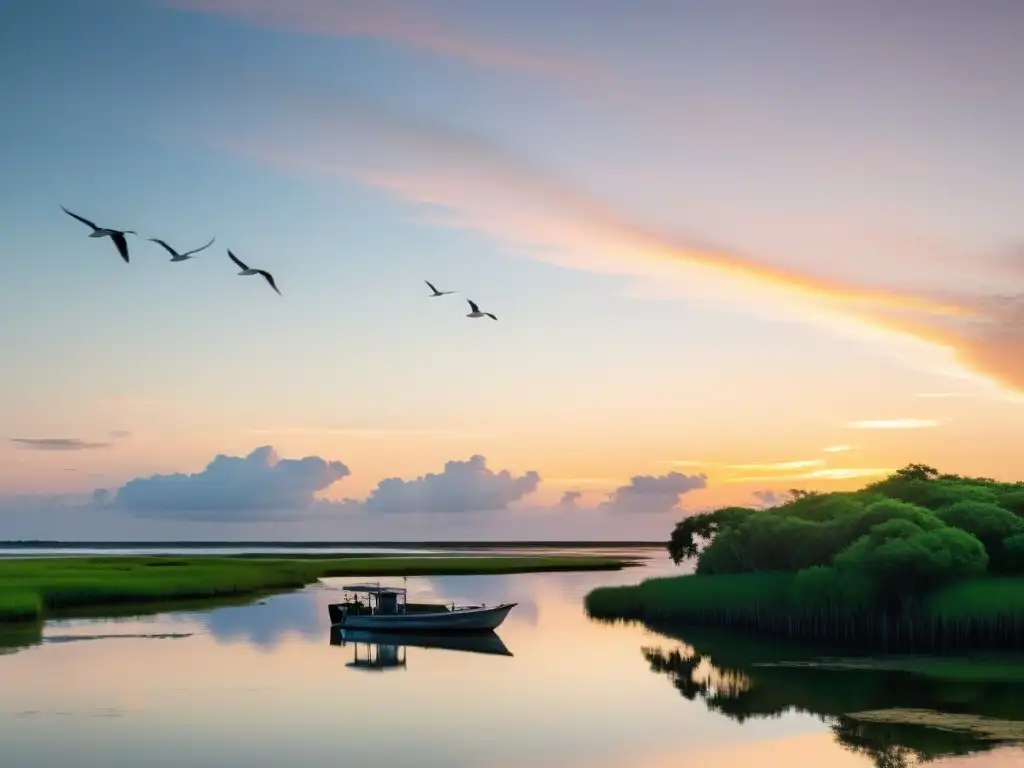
(733, 247)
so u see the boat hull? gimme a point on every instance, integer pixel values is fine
(462, 620)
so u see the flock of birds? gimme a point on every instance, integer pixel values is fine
(118, 236)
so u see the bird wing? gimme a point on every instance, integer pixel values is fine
(81, 219)
(165, 245)
(235, 259)
(491, 316)
(197, 250)
(431, 286)
(473, 306)
(270, 279)
(122, 245)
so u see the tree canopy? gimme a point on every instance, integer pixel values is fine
(892, 540)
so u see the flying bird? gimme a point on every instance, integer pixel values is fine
(175, 256)
(436, 292)
(247, 271)
(117, 235)
(476, 311)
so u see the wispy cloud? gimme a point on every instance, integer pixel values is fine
(463, 181)
(837, 448)
(778, 466)
(893, 424)
(837, 473)
(378, 434)
(938, 395)
(845, 473)
(56, 444)
(407, 24)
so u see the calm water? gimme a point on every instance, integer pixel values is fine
(262, 685)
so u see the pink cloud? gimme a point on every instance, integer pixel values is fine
(402, 23)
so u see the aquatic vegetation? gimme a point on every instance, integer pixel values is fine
(32, 588)
(918, 560)
(1002, 731)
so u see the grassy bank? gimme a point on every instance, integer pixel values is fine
(30, 589)
(986, 612)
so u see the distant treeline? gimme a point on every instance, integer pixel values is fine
(917, 559)
(43, 544)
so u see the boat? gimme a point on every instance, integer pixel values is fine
(486, 642)
(386, 610)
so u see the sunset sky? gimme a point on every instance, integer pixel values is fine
(757, 245)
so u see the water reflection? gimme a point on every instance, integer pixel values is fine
(961, 707)
(269, 622)
(18, 637)
(487, 643)
(261, 685)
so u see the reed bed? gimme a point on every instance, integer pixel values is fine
(30, 588)
(980, 613)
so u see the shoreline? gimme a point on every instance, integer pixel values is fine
(34, 589)
(976, 614)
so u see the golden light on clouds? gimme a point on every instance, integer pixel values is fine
(837, 448)
(831, 473)
(767, 467)
(893, 424)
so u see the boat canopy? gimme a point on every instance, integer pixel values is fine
(374, 588)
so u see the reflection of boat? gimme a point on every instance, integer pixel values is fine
(387, 610)
(375, 657)
(486, 642)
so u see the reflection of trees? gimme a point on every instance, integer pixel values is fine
(741, 682)
(694, 676)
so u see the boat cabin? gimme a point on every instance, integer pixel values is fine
(373, 600)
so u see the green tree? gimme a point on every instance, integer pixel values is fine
(692, 531)
(1013, 500)
(1013, 553)
(902, 568)
(989, 523)
(821, 507)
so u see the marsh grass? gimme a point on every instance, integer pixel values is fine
(986, 612)
(33, 588)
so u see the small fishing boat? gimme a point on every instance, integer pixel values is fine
(386, 609)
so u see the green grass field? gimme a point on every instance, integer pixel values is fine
(31, 588)
(978, 612)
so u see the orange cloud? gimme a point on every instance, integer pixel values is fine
(893, 424)
(462, 181)
(403, 23)
(770, 467)
(836, 473)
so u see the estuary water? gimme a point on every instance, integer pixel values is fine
(266, 684)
